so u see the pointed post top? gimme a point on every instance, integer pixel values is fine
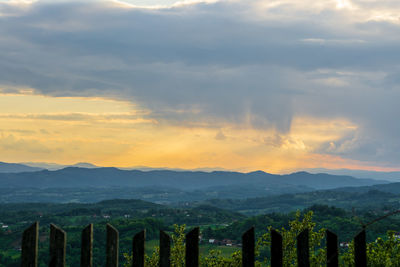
(29, 246)
(303, 251)
(332, 250)
(138, 249)
(112, 248)
(192, 247)
(276, 249)
(248, 248)
(87, 246)
(165, 249)
(360, 249)
(58, 244)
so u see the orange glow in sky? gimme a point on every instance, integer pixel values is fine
(107, 132)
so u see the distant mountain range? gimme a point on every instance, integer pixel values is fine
(89, 183)
(54, 166)
(389, 176)
(184, 180)
(16, 167)
(5, 167)
(37, 166)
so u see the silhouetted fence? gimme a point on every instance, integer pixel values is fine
(58, 240)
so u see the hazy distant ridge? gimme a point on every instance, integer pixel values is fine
(186, 180)
(389, 176)
(15, 168)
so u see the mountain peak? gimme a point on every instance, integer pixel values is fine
(301, 173)
(257, 172)
(84, 165)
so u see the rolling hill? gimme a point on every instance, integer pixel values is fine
(16, 167)
(107, 177)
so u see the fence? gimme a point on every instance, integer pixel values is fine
(58, 239)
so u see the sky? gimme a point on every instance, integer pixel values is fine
(273, 85)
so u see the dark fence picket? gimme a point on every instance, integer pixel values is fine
(192, 248)
(165, 249)
(58, 239)
(112, 248)
(276, 249)
(248, 246)
(58, 244)
(138, 251)
(303, 251)
(332, 251)
(87, 246)
(29, 246)
(360, 250)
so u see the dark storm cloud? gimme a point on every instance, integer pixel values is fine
(218, 63)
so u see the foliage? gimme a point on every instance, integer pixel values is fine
(215, 259)
(296, 226)
(154, 259)
(371, 200)
(212, 259)
(383, 249)
(178, 248)
(381, 253)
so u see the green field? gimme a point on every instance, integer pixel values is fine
(204, 248)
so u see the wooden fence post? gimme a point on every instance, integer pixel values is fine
(192, 248)
(165, 250)
(303, 251)
(58, 243)
(360, 250)
(29, 246)
(112, 246)
(276, 249)
(87, 246)
(332, 251)
(138, 249)
(248, 240)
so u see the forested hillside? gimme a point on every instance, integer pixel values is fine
(131, 216)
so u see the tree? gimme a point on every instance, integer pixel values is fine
(317, 253)
(381, 253)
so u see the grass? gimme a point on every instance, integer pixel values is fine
(225, 250)
(204, 248)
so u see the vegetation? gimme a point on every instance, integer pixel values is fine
(214, 258)
(317, 258)
(382, 252)
(131, 216)
(372, 200)
(217, 222)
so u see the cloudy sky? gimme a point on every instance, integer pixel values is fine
(276, 85)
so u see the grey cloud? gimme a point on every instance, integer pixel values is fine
(220, 135)
(44, 131)
(19, 131)
(274, 141)
(215, 64)
(386, 4)
(74, 117)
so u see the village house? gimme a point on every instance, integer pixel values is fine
(223, 242)
(397, 236)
